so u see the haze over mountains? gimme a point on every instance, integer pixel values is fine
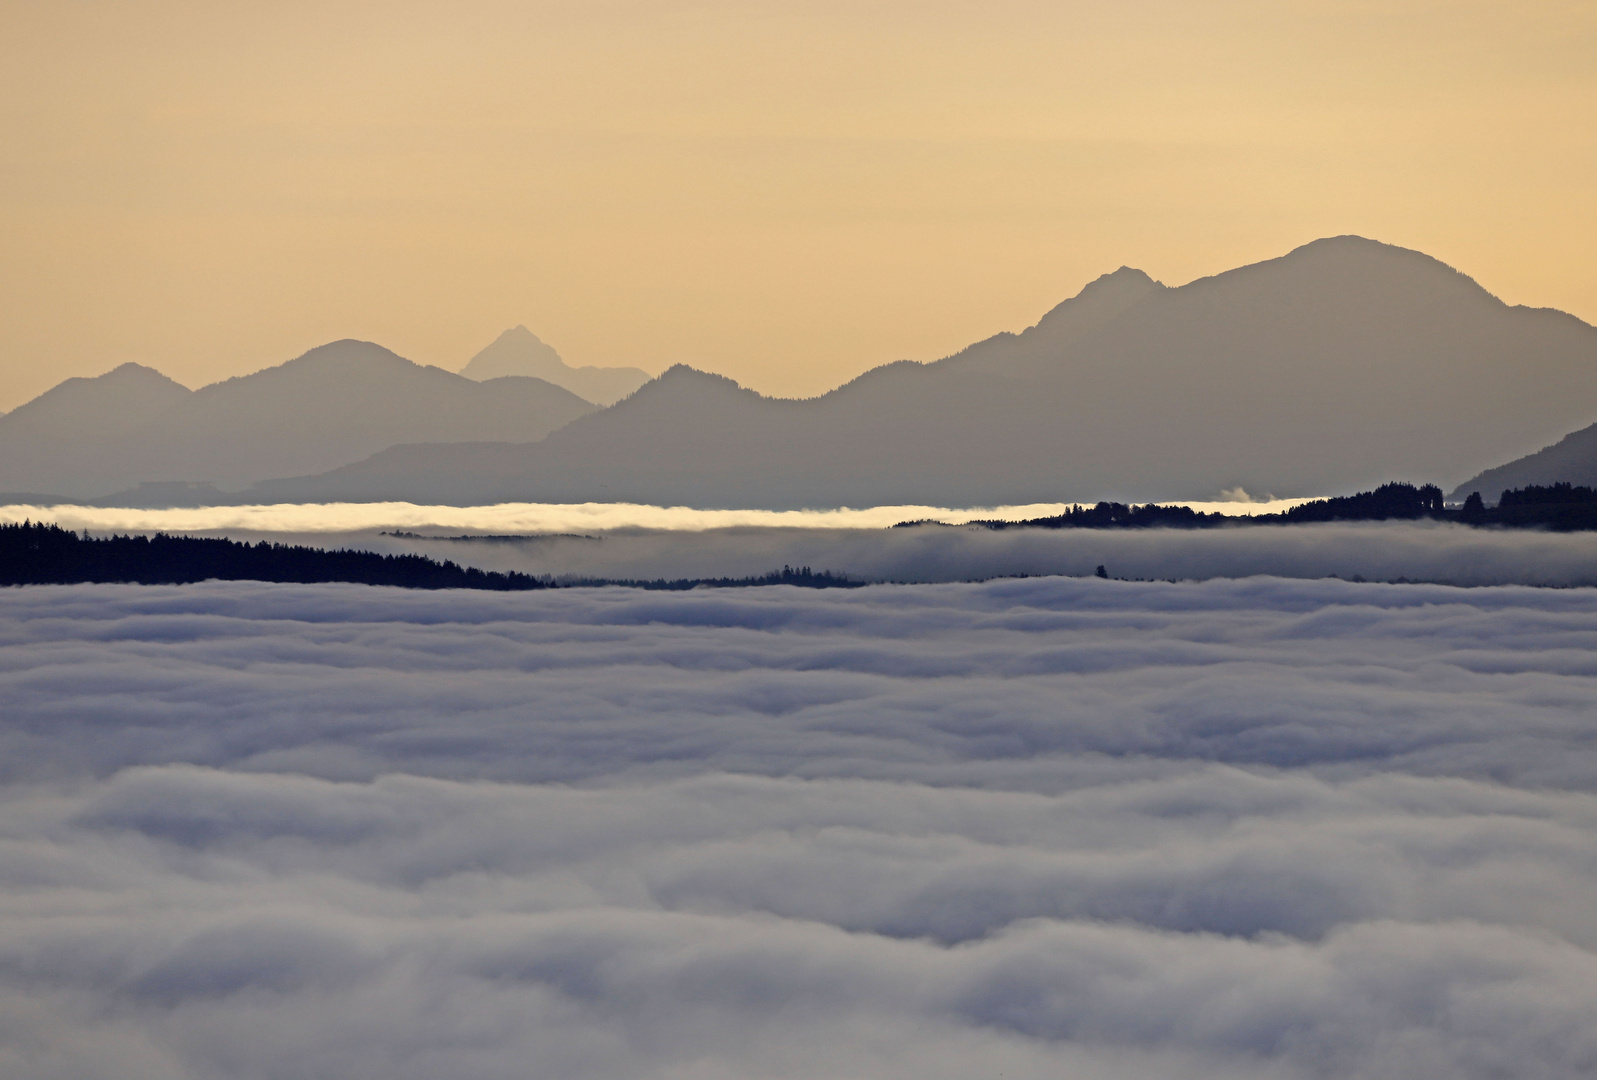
(1345, 363)
(89, 438)
(1334, 368)
(519, 352)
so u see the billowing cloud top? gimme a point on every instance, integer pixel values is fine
(1032, 828)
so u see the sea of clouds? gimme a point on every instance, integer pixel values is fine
(1026, 828)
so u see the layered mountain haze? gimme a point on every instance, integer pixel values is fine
(520, 352)
(339, 403)
(1334, 368)
(1340, 365)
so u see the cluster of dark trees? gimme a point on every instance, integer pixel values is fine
(36, 554)
(1560, 507)
(802, 576)
(1113, 515)
(1389, 502)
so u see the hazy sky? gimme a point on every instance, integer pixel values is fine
(788, 193)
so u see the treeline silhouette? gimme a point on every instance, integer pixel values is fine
(38, 554)
(1389, 502)
(802, 576)
(1113, 515)
(1560, 507)
(42, 554)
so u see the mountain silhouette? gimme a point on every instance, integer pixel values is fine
(520, 352)
(335, 404)
(1329, 369)
(1571, 460)
(62, 440)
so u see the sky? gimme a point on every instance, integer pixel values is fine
(1252, 830)
(786, 193)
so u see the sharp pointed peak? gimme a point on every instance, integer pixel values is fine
(1126, 281)
(1105, 297)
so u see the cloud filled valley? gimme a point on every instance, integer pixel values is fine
(1258, 828)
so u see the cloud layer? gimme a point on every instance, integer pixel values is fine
(311, 518)
(621, 541)
(1384, 551)
(1041, 827)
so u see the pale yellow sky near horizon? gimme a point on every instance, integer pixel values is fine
(788, 193)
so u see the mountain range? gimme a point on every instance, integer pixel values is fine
(91, 438)
(1338, 366)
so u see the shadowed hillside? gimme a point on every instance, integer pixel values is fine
(1571, 460)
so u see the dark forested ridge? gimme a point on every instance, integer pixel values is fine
(48, 554)
(1560, 507)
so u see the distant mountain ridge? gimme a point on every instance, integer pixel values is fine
(336, 404)
(518, 351)
(1333, 368)
(1571, 460)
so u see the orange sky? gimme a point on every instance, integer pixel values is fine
(788, 193)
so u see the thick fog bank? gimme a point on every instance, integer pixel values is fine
(1383, 551)
(626, 541)
(1027, 828)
